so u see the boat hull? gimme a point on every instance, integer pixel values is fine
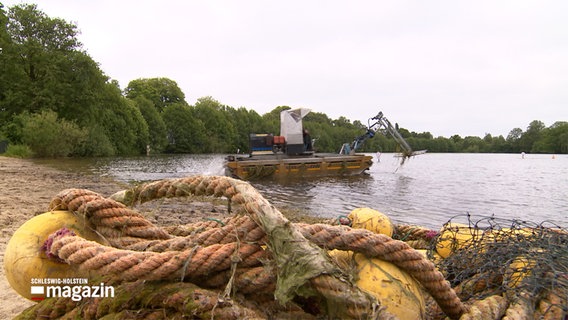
(283, 166)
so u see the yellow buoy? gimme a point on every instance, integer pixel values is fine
(506, 234)
(396, 290)
(518, 270)
(372, 220)
(455, 236)
(343, 258)
(25, 261)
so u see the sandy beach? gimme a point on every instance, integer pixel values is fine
(26, 189)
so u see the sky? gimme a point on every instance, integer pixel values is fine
(444, 66)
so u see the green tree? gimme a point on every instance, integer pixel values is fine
(186, 133)
(161, 91)
(5, 64)
(123, 123)
(156, 126)
(39, 47)
(220, 133)
(532, 135)
(49, 71)
(472, 144)
(272, 119)
(553, 139)
(342, 122)
(514, 138)
(245, 122)
(318, 117)
(98, 143)
(499, 145)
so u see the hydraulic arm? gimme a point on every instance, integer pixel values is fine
(383, 125)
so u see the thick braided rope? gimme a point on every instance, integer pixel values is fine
(202, 226)
(254, 280)
(412, 232)
(54, 308)
(224, 234)
(162, 300)
(554, 303)
(490, 308)
(203, 303)
(217, 186)
(192, 228)
(478, 283)
(292, 252)
(243, 229)
(336, 294)
(521, 306)
(415, 236)
(222, 186)
(237, 191)
(120, 225)
(421, 268)
(397, 252)
(127, 265)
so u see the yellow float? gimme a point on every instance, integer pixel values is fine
(396, 290)
(24, 259)
(455, 236)
(519, 268)
(372, 220)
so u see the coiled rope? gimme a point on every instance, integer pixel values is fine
(234, 253)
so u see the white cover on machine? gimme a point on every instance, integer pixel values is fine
(291, 125)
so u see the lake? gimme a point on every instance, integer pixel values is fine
(427, 190)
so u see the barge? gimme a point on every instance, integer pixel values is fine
(316, 165)
(291, 153)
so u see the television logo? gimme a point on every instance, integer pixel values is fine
(76, 289)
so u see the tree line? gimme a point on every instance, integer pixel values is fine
(56, 101)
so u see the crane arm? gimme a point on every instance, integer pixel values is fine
(385, 125)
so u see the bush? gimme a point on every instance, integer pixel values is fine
(18, 151)
(97, 144)
(48, 136)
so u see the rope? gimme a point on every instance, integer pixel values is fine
(551, 306)
(294, 269)
(258, 255)
(152, 299)
(120, 225)
(492, 307)
(397, 252)
(255, 280)
(195, 227)
(481, 282)
(205, 254)
(521, 307)
(127, 265)
(411, 232)
(243, 229)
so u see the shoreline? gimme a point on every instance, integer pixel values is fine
(26, 188)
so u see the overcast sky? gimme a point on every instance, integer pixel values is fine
(447, 67)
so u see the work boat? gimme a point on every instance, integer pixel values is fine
(291, 153)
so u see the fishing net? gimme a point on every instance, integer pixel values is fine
(525, 262)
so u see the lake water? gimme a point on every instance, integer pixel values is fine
(427, 190)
